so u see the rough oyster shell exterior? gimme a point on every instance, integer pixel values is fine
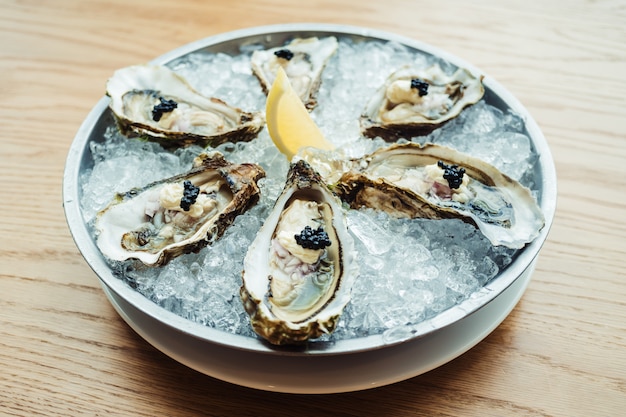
(232, 189)
(418, 115)
(136, 93)
(501, 208)
(304, 67)
(278, 322)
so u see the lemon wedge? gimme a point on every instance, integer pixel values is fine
(288, 122)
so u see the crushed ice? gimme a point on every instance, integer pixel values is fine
(410, 270)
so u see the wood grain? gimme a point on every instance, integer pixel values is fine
(562, 352)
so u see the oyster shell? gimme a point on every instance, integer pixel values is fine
(437, 182)
(154, 102)
(298, 272)
(177, 215)
(303, 61)
(414, 102)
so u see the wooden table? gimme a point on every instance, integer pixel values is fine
(562, 352)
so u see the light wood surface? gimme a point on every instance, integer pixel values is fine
(562, 352)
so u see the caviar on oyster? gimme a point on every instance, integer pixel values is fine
(154, 102)
(303, 61)
(415, 101)
(435, 182)
(298, 272)
(177, 215)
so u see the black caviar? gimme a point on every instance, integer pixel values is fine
(420, 85)
(165, 106)
(313, 239)
(190, 194)
(452, 173)
(284, 54)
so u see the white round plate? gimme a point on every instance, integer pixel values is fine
(344, 365)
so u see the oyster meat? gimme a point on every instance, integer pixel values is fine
(298, 272)
(177, 215)
(414, 102)
(437, 182)
(303, 61)
(154, 102)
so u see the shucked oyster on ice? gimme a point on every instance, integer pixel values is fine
(303, 61)
(298, 272)
(437, 182)
(414, 102)
(154, 102)
(177, 215)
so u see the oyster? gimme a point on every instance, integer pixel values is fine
(177, 215)
(303, 61)
(298, 272)
(154, 102)
(437, 182)
(414, 102)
